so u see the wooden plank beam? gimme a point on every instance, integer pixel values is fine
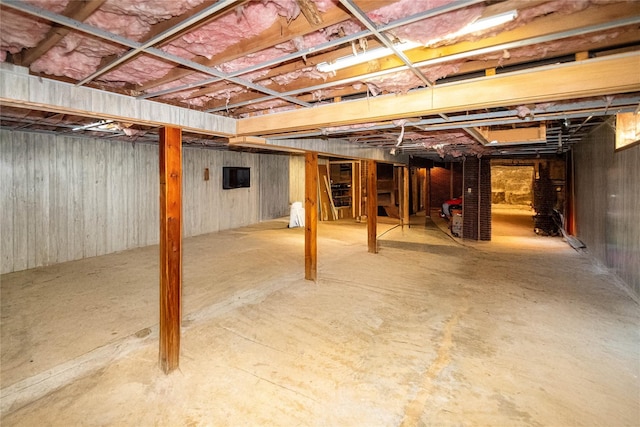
(372, 206)
(529, 135)
(170, 246)
(310, 11)
(593, 77)
(311, 215)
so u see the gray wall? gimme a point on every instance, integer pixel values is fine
(274, 185)
(607, 185)
(66, 198)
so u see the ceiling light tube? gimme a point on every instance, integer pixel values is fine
(369, 55)
(93, 125)
(489, 22)
(479, 25)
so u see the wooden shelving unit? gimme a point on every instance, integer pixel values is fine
(345, 182)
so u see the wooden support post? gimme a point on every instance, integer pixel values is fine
(415, 189)
(405, 195)
(451, 195)
(581, 56)
(311, 216)
(356, 190)
(372, 205)
(398, 178)
(427, 192)
(170, 246)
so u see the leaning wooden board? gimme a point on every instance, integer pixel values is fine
(326, 202)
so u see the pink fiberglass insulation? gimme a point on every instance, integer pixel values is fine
(554, 48)
(403, 81)
(312, 39)
(147, 12)
(20, 30)
(75, 56)
(309, 40)
(429, 29)
(125, 18)
(226, 31)
(213, 38)
(432, 31)
(191, 79)
(269, 107)
(560, 6)
(60, 62)
(222, 90)
(134, 19)
(450, 143)
(331, 32)
(56, 6)
(251, 59)
(305, 73)
(325, 5)
(402, 9)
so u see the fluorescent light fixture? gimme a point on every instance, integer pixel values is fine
(479, 25)
(381, 52)
(102, 124)
(369, 55)
(489, 22)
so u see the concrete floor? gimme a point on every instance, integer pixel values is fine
(432, 330)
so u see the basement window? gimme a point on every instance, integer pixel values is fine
(627, 130)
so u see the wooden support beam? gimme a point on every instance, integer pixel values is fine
(529, 135)
(405, 195)
(593, 77)
(372, 206)
(310, 11)
(170, 246)
(261, 144)
(427, 193)
(311, 215)
(581, 56)
(356, 190)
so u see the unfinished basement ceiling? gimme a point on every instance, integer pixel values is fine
(244, 59)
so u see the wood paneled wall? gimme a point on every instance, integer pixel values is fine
(296, 181)
(66, 198)
(607, 196)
